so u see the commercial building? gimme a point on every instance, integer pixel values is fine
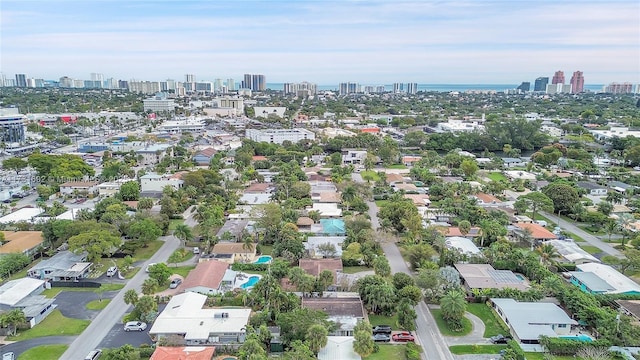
(255, 82)
(159, 102)
(615, 88)
(558, 78)
(12, 125)
(577, 82)
(300, 89)
(21, 80)
(524, 87)
(180, 125)
(278, 136)
(349, 88)
(266, 111)
(153, 154)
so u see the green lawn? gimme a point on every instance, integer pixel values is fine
(496, 176)
(183, 254)
(51, 293)
(44, 352)
(444, 329)
(380, 203)
(389, 352)
(369, 174)
(397, 166)
(97, 304)
(591, 249)
(593, 231)
(182, 270)
(266, 249)
(54, 325)
(146, 252)
(492, 324)
(355, 269)
(175, 222)
(476, 349)
(384, 320)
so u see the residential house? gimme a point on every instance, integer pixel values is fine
(109, 189)
(537, 232)
(528, 321)
(186, 317)
(232, 229)
(24, 294)
(338, 347)
(395, 178)
(419, 200)
(304, 223)
(592, 189)
(203, 157)
(345, 309)
(596, 278)
(571, 252)
(513, 162)
(63, 266)
(231, 252)
(83, 188)
(409, 188)
(410, 160)
(206, 278)
(352, 156)
(314, 244)
(255, 198)
(314, 267)
(484, 276)
(259, 188)
(24, 242)
(25, 214)
(327, 210)
(153, 154)
(327, 197)
(454, 231)
(630, 308)
(464, 245)
(487, 200)
(154, 183)
(332, 227)
(621, 187)
(183, 353)
(519, 175)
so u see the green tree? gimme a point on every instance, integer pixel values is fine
(410, 293)
(11, 319)
(125, 352)
(453, 306)
(131, 297)
(401, 280)
(130, 191)
(406, 316)
(564, 196)
(381, 266)
(605, 207)
(298, 350)
(535, 201)
(96, 243)
(145, 204)
(183, 233)
(149, 286)
(160, 272)
(146, 306)
(252, 349)
(145, 230)
(363, 344)
(469, 168)
(547, 253)
(316, 337)
(12, 263)
(16, 164)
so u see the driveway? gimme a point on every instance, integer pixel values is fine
(117, 337)
(73, 304)
(171, 292)
(21, 346)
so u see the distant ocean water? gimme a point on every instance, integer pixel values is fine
(442, 87)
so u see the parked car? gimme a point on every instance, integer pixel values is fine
(500, 339)
(112, 271)
(174, 283)
(381, 338)
(196, 250)
(403, 337)
(92, 355)
(135, 326)
(382, 329)
(9, 356)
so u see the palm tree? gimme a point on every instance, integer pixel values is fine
(316, 337)
(183, 232)
(547, 252)
(465, 227)
(623, 222)
(453, 306)
(363, 343)
(247, 243)
(614, 197)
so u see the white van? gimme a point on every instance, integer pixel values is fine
(112, 271)
(196, 250)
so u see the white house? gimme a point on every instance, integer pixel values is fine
(464, 245)
(265, 111)
(186, 317)
(155, 183)
(24, 294)
(528, 321)
(593, 188)
(79, 187)
(351, 156)
(152, 154)
(110, 188)
(571, 252)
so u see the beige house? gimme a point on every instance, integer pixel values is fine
(231, 252)
(25, 242)
(79, 187)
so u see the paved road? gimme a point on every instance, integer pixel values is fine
(93, 335)
(21, 346)
(433, 344)
(592, 240)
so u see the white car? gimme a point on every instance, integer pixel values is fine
(9, 356)
(135, 326)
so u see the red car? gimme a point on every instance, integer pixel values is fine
(403, 337)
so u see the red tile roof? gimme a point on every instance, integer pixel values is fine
(183, 353)
(207, 274)
(488, 199)
(208, 152)
(259, 158)
(537, 231)
(316, 266)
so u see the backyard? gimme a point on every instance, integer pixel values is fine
(496, 176)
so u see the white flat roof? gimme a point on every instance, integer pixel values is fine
(15, 290)
(184, 315)
(465, 245)
(24, 214)
(327, 209)
(571, 251)
(621, 283)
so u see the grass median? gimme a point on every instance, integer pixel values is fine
(44, 352)
(444, 328)
(476, 349)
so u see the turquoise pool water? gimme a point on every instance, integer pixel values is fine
(252, 281)
(265, 259)
(520, 277)
(579, 337)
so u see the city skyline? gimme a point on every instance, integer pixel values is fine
(365, 42)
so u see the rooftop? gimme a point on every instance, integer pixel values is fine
(20, 241)
(484, 276)
(466, 246)
(537, 231)
(225, 247)
(15, 291)
(619, 283)
(207, 274)
(316, 266)
(183, 353)
(571, 251)
(347, 306)
(530, 320)
(338, 347)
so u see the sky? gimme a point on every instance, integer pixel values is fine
(326, 42)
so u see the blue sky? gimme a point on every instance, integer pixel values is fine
(323, 41)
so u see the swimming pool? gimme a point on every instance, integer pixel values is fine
(251, 282)
(578, 337)
(265, 259)
(520, 277)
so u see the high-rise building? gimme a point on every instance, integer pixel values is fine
(349, 88)
(231, 84)
(300, 89)
(246, 82)
(3, 80)
(615, 88)
(217, 85)
(558, 78)
(524, 87)
(412, 88)
(577, 82)
(12, 125)
(259, 82)
(396, 88)
(189, 78)
(21, 80)
(541, 84)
